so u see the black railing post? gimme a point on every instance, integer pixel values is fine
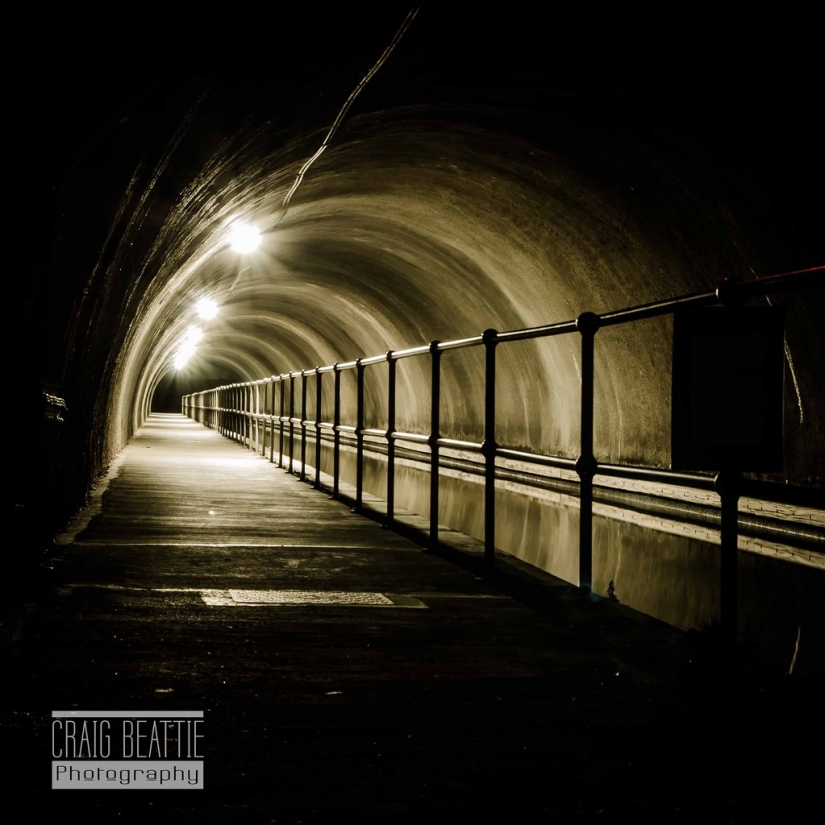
(359, 436)
(303, 475)
(587, 324)
(318, 403)
(291, 421)
(728, 484)
(272, 420)
(435, 434)
(224, 414)
(246, 421)
(236, 406)
(336, 435)
(488, 447)
(254, 424)
(260, 409)
(391, 367)
(281, 410)
(247, 401)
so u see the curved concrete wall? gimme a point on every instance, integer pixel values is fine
(465, 190)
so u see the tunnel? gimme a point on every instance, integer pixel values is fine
(415, 175)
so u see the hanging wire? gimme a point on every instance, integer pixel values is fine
(345, 108)
(339, 120)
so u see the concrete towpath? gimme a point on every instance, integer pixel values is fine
(346, 676)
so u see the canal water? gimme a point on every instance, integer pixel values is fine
(663, 567)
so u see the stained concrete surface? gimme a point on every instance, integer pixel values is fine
(477, 704)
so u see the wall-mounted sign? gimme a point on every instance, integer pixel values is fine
(728, 379)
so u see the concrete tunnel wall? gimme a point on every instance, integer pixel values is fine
(468, 187)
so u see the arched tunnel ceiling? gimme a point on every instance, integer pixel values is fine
(497, 171)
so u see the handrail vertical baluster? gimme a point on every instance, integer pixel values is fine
(318, 405)
(488, 447)
(435, 427)
(303, 475)
(260, 409)
(281, 409)
(291, 420)
(391, 377)
(587, 324)
(336, 438)
(271, 413)
(254, 421)
(359, 436)
(248, 403)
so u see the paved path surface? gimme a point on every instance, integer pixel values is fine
(452, 700)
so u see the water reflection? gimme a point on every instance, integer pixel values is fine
(663, 568)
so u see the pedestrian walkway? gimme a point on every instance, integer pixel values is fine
(347, 676)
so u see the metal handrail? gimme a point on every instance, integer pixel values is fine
(245, 411)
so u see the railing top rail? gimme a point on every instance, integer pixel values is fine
(406, 353)
(537, 332)
(460, 343)
(375, 359)
(656, 308)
